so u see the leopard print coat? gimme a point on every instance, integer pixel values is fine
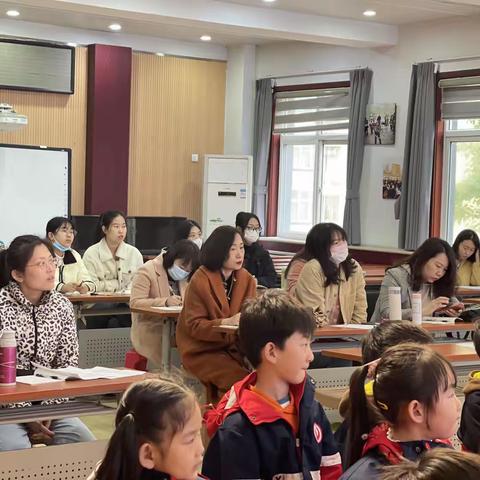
(46, 333)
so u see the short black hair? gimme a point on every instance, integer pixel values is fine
(216, 249)
(272, 317)
(182, 230)
(55, 223)
(242, 219)
(184, 249)
(389, 334)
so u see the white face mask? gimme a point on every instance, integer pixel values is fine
(339, 252)
(251, 236)
(178, 273)
(198, 242)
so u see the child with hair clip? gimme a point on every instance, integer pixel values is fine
(437, 465)
(469, 432)
(413, 404)
(157, 435)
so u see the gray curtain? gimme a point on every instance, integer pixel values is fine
(414, 225)
(261, 146)
(360, 82)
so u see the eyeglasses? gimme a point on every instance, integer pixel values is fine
(43, 264)
(67, 231)
(253, 229)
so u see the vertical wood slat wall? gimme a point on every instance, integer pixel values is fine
(56, 120)
(177, 109)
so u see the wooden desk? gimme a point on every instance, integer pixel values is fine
(168, 318)
(466, 291)
(103, 298)
(451, 351)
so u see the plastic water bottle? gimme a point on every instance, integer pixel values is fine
(395, 303)
(417, 308)
(8, 358)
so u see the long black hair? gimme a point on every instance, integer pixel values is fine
(150, 411)
(467, 235)
(444, 286)
(317, 246)
(182, 230)
(18, 254)
(242, 219)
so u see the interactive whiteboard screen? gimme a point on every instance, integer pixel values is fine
(34, 187)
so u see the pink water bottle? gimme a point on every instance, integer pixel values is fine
(8, 358)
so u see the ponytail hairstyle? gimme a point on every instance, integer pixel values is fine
(18, 254)
(152, 410)
(106, 219)
(404, 373)
(436, 464)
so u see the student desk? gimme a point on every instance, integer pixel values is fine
(467, 291)
(454, 352)
(79, 302)
(168, 318)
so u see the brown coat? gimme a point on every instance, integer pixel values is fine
(212, 356)
(150, 288)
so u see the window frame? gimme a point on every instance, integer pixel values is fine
(319, 140)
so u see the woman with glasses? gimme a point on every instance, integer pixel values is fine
(71, 275)
(112, 262)
(257, 260)
(44, 325)
(467, 252)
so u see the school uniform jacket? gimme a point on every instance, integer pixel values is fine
(379, 451)
(73, 270)
(150, 288)
(112, 274)
(469, 432)
(46, 333)
(252, 441)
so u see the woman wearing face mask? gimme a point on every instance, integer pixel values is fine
(332, 283)
(467, 251)
(71, 275)
(189, 230)
(431, 271)
(257, 260)
(160, 282)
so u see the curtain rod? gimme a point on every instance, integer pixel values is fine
(313, 73)
(455, 59)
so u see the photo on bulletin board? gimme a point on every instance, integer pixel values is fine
(380, 124)
(392, 181)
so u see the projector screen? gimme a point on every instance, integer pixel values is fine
(34, 187)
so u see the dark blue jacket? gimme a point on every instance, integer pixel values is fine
(380, 451)
(252, 441)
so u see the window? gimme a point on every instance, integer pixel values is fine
(313, 170)
(461, 201)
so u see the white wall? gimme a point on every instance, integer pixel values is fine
(391, 81)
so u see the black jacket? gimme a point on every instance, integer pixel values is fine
(259, 263)
(469, 432)
(252, 441)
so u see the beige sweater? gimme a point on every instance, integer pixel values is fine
(312, 292)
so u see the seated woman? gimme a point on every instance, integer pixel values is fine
(189, 230)
(431, 271)
(45, 330)
(332, 283)
(160, 282)
(71, 275)
(257, 260)
(467, 251)
(112, 262)
(214, 297)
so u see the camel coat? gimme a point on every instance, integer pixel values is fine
(213, 357)
(150, 288)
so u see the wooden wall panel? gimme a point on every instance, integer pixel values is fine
(177, 109)
(56, 120)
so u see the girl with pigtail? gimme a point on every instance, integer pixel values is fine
(412, 408)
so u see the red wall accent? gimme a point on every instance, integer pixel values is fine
(108, 128)
(274, 172)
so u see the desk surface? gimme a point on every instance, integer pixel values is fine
(451, 351)
(103, 298)
(22, 392)
(156, 312)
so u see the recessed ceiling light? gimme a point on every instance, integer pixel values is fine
(160, 54)
(369, 13)
(269, 1)
(71, 44)
(115, 27)
(13, 13)
(205, 38)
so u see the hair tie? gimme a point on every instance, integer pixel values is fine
(382, 405)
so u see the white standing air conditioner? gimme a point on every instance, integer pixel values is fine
(9, 119)
(227, 189)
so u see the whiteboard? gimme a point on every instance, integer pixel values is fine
(34, 187)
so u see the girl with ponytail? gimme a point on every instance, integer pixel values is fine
(412, 408)
(157, 435)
